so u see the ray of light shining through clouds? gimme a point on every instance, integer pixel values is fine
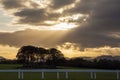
(78, 28)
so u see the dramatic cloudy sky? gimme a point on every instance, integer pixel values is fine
(76, 27)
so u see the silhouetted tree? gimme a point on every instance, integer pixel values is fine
(55, 55)
(41, 53)
(26, 53)
(32, 54)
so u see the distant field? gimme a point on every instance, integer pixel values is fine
(52, 76)
(14, 66)
(9, 66)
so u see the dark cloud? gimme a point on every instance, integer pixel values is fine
(105, 16)
(31, 37)
(31, 16)
(83, 7)
(35, 16)
(43, 38)
(17, 4)
(104, 19)
(56, 4)
(87, 38)
(12, 4)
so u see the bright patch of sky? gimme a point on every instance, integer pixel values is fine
(5, 23)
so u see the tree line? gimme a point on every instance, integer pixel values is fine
(94, 63)
(38, 57)
(29, 54)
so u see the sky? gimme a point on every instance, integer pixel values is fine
(86, 28)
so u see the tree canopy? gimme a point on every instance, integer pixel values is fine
(28, 54)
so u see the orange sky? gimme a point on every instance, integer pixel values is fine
(68, 49)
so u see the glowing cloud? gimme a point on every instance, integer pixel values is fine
(73, 50)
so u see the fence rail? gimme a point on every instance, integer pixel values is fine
(66, 71)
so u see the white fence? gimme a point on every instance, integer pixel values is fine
(66, 71)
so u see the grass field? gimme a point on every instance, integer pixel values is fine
(9, 66)
(52, 76)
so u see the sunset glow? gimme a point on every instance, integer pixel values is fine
(8, 52)
(71, 50)
(76, 27)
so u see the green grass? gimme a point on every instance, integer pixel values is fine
(52, 75)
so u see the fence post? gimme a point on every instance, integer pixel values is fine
(57, 75)
(18, 74)
(22, 75)
(91, 75)
(66, 75)
(43, 75)
(94, 75)
(117, 75)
